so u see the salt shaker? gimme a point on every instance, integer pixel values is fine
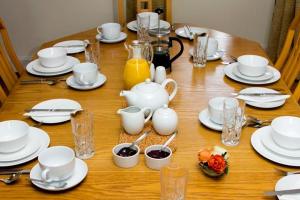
(160, 74)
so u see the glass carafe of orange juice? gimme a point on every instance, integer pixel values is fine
(137, 68)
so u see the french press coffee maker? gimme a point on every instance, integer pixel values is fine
(161, 44)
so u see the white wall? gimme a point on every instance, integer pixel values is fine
(33, 22)
(246, 18)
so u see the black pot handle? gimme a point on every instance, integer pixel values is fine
(171, 39)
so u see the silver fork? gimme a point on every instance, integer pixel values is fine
(190, 32)
(285, 173)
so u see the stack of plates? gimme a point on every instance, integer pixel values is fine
(272, 75)
(38, 140)
(264, 144)
(36, 68)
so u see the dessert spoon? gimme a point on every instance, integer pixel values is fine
(168, 141)
(126, 150)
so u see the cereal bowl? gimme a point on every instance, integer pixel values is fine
(14, 135)
(252, 65)
(285, 131)
(52, 57)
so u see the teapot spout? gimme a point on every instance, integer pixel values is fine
(129, 96)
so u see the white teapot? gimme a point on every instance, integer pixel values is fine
(150, 94)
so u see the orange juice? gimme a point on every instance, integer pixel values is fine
(136, 70)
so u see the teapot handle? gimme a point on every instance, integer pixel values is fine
(173, 93)
(149, 112)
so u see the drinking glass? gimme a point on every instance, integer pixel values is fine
(173, 180)
(143, 25)
(200, 49)
(92, 52)
(233, 112)
(82, 128)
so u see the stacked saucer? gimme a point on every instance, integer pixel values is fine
(279, 142)
(51, 62)
(20, 143)
(252, 69)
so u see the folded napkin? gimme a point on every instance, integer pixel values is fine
(263, 99)
(47, 114)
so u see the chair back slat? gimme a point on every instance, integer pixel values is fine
(7, 73)
(9, 48)
(140, 8)
(296, 93)
(292, 67)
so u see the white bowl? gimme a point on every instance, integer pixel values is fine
(13, 136)
(125, 162)
(285, 131)
(252, 65)
(52, 57)
(215, 109)
(154, 163)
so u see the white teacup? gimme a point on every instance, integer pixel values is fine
(153, 18)
(57, 163)
(109, 31)
(85, 73)
(212, 47)
(215, 109)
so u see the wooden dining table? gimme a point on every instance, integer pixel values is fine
(249, 173)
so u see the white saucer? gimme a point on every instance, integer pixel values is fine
(32, 146)
(268, 75)
(287, 183)
(216, 56)
(68, 46)
(40, 68)
(55, 104)
(72, 83)
(182, 33)
(256, 141)
(268, 141)
(80, 172)
(228, 70)
(30, 69)
(133, 25)
(122, 37)
(271, 104)
(205, 120)
(41, 137)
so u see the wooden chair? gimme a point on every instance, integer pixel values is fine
(288, 60)
(140, 8)
(8, 73)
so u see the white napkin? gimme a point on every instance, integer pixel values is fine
(263, 99)
(47, 114)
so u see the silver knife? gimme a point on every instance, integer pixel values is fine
(52, 110)
(8, 172)
(281, 192)
(259, 94)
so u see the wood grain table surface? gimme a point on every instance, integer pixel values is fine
(249, 173)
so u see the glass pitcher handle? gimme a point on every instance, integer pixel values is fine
(171, 39)
(148, 53)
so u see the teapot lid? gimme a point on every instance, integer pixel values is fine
(147, 87)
